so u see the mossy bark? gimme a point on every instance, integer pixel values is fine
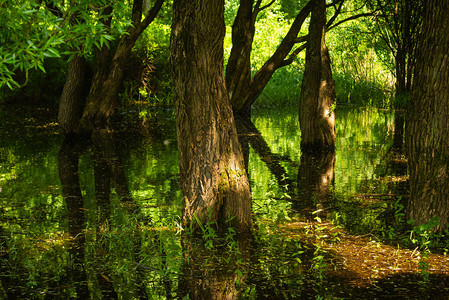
(213, 179)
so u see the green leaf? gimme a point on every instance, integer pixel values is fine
(40, 66)
(54, 52)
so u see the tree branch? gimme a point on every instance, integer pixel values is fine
(292, 56)
(151, 14)
(351, 18)
(266, 6)
(336, 13)
(302, 39)
(335, 2)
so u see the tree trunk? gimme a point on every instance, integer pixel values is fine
(108, 76)
(238, 69)
(73, 97)
(243, 90)
(316, 108)
(213, 178)
(427, 129)
(103, 95)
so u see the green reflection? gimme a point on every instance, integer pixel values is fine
(136, 250)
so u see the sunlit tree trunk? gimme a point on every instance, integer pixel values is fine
(427, 130)
(213, 177)
(316, 109)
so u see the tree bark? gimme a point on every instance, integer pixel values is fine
(316, 111)
(213, 178)
(238, 69)
(427, 129)
(73, 97)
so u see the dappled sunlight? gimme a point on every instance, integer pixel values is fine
(366, 259)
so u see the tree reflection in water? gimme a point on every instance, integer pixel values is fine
(315, 180)
(123, 241)
(108, 173)
(214, 272)
(68, 160)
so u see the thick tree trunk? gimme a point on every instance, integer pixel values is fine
(213, 177)
(316, 111)
(73, 96)
(427, 129)
(103, 96)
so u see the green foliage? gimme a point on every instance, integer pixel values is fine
(26, 41)
(38, 34)
(360, 67)
(283, 89)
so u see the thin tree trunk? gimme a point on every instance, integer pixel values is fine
(427, 129)
(213, 177)
(238, 69)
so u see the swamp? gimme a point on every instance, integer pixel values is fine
(224, 149)
(327, 229)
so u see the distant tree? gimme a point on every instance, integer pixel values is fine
(399, 23)
(427, 129)
(213, 177)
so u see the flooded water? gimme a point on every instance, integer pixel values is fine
(101, 220)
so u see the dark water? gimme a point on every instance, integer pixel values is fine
(100, 220)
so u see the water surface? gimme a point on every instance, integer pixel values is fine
(102, 219)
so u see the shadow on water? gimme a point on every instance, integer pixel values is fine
(99, 219)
